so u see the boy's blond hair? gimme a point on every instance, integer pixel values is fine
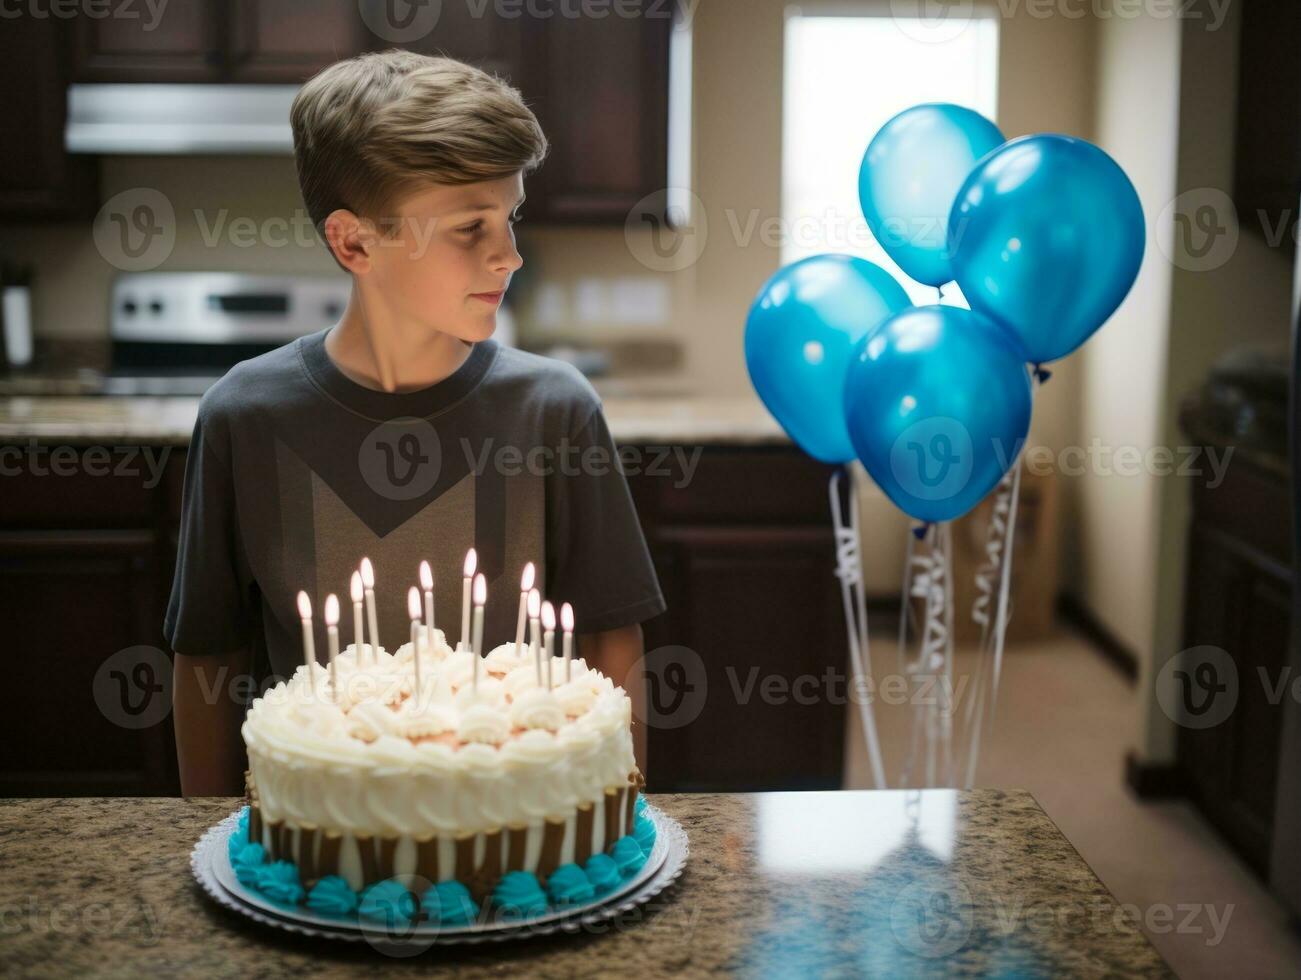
(372, 128)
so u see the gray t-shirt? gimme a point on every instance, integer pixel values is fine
(296, 472)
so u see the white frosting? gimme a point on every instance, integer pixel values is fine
(377, 760)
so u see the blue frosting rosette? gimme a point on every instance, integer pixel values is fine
(332, 896)
(568, 885)
(519, 894)
(449, 903)
(389, 903)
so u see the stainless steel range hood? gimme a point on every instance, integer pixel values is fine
(176, 119)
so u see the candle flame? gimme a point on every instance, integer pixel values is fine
(526, 580)
(471, 562)
(331, 610)
(535, 601)
(426, 577)
(567, 617)
(367, 573)
(304, 606)
(355, 587)
(548, 616)
(480, 589)
(413, 602)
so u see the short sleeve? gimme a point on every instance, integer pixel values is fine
(209, 609)
(596, 553)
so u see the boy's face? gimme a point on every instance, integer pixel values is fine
(453, 249)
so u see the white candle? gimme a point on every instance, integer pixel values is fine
(332, 633)
(309, 644)
(413, 610)
(480, 597)
(368, 580)
(567, 623)
(548, 636)
(356, 592)
(471, 561)
(525, 586)
(427, 583)
(535, 605)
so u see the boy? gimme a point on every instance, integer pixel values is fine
(404, 432)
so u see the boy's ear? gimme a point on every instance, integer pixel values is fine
(351, 238)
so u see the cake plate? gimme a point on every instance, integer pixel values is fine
(211, 866)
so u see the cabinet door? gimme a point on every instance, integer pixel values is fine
(287, 41)
(89, 707)
(1240, 602)
(601, 95)
(491, 39)
(184, 42)
(759, 611)
(37, 177)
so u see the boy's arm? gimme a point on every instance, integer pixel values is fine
(209, 751)
(615, 653)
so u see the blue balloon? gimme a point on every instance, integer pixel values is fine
(799, 334)
(910, 176)
(1048, 236)
(937, 402)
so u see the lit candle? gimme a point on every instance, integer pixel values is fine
(309, 644)
(535, 604)
(525, 585)
(480, 597)
(567, 623)
(548, 636)
(368, 580)
(413, 610)
(427, 583)
(471, 560)
(356, 592)
(332, 631)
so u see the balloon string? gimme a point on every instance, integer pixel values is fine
(849, 570)
(1004, 524)
(927, 577)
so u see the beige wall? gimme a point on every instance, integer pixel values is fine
(1246, 300)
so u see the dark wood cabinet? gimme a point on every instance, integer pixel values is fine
(84, 574)
(745, 555)
(288, 41)
(38, 179)
(743, 549)
(185, 43)
(600, 88)
(1239, 590)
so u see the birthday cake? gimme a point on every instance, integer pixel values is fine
(435, 784)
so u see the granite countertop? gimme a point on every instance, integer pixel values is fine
(934, 882)
(169, 420)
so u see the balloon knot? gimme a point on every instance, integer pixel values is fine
(1041, 373)
(919, 532)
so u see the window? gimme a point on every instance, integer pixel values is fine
(845, 76)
